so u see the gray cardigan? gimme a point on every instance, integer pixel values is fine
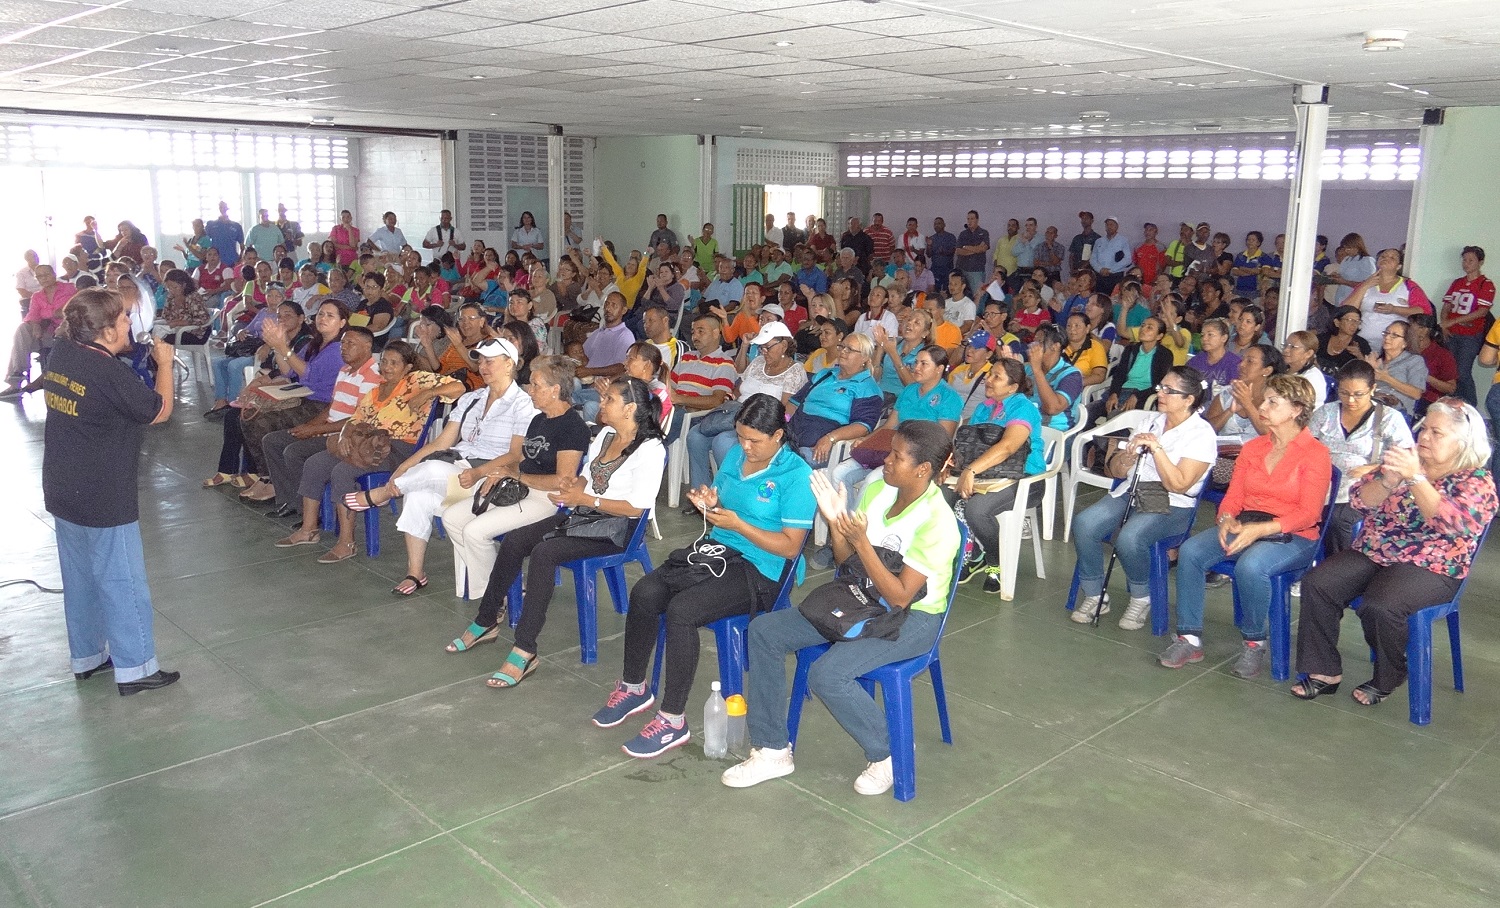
(1408, 368)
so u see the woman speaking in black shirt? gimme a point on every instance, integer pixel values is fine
(97, 413)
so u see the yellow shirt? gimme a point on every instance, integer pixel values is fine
(1493, 340)
(1095, 356)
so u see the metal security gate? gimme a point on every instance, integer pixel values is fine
(840, 203)
(748, 226)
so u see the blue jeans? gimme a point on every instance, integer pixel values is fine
(851, 474)
(1465, 349)
(1252, 578)
(775, 634)
(229, 376)
(977, 283)
(1492, 404)
(106, 602)
(588, 399)
(1133, 547)
(710, 433)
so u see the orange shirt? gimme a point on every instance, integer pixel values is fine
(1295, 491)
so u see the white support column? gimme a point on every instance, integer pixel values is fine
(705, 183)
(554, 196)
(1311, 103)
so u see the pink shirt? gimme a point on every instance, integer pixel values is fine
(47, 307)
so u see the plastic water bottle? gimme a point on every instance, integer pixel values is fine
(715, 725)
(738, 732)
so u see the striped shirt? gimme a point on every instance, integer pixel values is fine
(350, 387)
(700, 375)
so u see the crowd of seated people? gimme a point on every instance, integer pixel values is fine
(898, 387)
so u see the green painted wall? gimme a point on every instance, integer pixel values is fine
(1456, 198)
(637, 178)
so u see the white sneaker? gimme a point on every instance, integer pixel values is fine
(876, 779)
(1297, 590)
(1136, 613)
(763, 765)
(1026, 527)
(1083, 610)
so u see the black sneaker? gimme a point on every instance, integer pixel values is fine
(992, 580)
(971, 568)
(1215, 580)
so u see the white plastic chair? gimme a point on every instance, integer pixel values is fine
(1077, 475)
(677, 458)
(1011, 520)
(839, 452)
(197, 353)
(1049, 488)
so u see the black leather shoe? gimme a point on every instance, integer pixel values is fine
(285, 510)
(107, 665)
(150, 682)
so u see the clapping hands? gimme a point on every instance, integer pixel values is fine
(831, 498)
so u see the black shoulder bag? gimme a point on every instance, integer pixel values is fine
(849, 607)
(970, 443)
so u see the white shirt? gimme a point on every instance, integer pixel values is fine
(1372, 324)
(1194, 439)
(526, 236)
(886, 320)
(27, 281)
(485, 431)
(1314, 377)
(453, 234)
(775, 235)
(757, 381)
(959, 311)
(638, 479)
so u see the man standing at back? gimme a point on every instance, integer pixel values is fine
(1148, 256)
(1005, 257)
(265, 237)
(227, 236)
(1111, 256)
(445, 238)
(664, 234)
(291, 231)
(388, 238)
(1081, 250)
(858, 241)
(882, 240)
(941, 248)
(973, 249)
(1023, 250)
(791, 236)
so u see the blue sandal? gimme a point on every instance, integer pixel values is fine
(479, 635)
(502, 681)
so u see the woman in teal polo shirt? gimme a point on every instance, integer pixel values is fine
(841, 403)
(1008, 406)
(756, 517)
(904, 511)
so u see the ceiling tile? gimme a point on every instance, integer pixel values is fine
(512, 36)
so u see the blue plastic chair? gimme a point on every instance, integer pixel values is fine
(586, 587)
(1160, 564)
(1419, 646)
(369, 482)
(1279, 619)
(731, 639)
(895, 680)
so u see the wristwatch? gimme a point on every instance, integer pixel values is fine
(596, 502)
(1420, 477)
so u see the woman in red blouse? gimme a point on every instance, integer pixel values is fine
(1268, 523)
(1424, 511)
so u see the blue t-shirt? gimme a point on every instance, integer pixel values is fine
(1249, 284)
(942, 402)
(1066, 380)
(834, 398)
(778, 497)
(227, 237)
(1017, 409)
(814, 278)
(890, 378)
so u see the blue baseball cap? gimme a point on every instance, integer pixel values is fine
(982, 339)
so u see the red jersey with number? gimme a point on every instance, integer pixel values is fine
(1467, 296)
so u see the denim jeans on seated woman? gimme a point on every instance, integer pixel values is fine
(1132, 546)
(1252, 578)
(711, 432)
(229, 376)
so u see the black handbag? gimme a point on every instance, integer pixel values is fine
(970, 443)
(506, 491)
(585, 522)
(1264, 517)
(850, 608)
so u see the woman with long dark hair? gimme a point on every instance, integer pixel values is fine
(621, 476)
(756, 516)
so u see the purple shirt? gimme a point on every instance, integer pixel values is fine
(322, 371)
(608, 346)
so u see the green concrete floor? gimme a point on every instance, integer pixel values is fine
(322, 749)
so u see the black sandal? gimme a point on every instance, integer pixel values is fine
(1369, 690)
(417, 585)
(1313, 688)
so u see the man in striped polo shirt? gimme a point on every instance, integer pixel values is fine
(704, 377)
(287, 451)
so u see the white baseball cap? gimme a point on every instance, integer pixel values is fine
(498, 346)
(770, 331)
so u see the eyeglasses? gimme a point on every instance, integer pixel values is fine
(1395, 334)
(1175, 392)
(1353, 395)
(1293, 347)
(845, 348)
